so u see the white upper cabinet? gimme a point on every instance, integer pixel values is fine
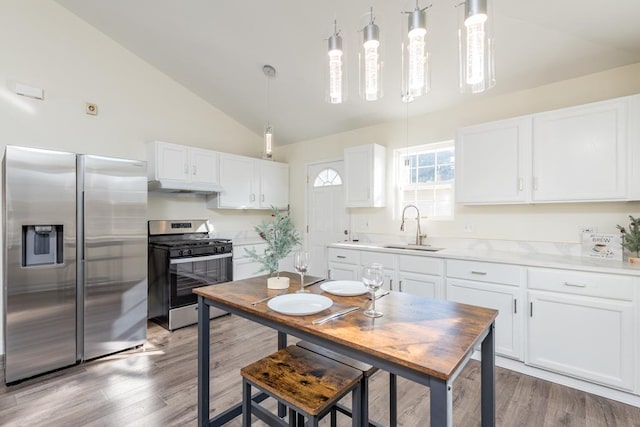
(492, 162)
(203, 166)
(575, 154)
(579, 153)
(250, 183)
(274, 182)
(239, 181)
(365, 176)
(178, 167)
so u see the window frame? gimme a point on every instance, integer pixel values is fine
(401, 187)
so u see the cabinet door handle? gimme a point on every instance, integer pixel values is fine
(341, 256)
(515, 306)
(520, 184)
(575, 285)
(328, 273)
(186, 168)
(531, 309)
(194, 169)
(535, 183)
(262, 197)
(480, 273)
(400, 285)
(390, 284)
(253, 197)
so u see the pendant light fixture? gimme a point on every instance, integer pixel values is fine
(416, 79)
(270, 73)
(370, 61)
(475, 39)
(336, 79)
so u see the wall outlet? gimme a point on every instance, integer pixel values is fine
(588, 229)
(91, 109)
(468, 228)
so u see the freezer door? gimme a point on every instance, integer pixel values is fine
(39, 224)
(114, 254)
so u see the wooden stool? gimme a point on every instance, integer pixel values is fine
(367, 370)
(307, 383)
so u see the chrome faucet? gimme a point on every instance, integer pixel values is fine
(419, 235)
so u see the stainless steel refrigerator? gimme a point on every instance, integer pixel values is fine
(74, 260)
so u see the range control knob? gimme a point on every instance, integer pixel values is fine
(180, 252)
(187, 251)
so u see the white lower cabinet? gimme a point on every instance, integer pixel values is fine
(344, 264)
(413, 274)
(582, 325)
(420, 284)
(503, 298)
(496, 286)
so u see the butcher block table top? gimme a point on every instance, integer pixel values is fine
(423, 339)
(423, 334)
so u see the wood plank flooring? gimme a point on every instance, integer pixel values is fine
(156, 386)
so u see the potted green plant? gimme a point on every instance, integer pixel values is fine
(631, 238)
(281, 237)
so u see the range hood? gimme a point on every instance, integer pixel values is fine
(184, 187)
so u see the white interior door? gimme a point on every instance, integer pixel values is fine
(327, 215)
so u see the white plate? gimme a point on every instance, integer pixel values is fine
(345, 288)
(299, 304)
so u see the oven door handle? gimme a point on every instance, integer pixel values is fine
(198, 258)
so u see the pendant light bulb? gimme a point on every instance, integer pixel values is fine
(268, 141)
(371, 62)
(476, 47)
(270, 73)
(336, 93)
(415, 55)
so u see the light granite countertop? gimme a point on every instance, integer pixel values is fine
(525, 259)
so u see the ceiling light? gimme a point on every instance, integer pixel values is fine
(270, 73)
(336, 82)
(370, 61)
(415, 57)
(475, 39)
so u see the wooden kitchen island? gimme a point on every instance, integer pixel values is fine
(422, 339)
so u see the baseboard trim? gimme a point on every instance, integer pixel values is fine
(599, 390)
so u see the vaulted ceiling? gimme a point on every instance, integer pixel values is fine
(216, 48)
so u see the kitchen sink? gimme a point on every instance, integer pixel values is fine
(426, 248)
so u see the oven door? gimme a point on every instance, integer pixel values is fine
(193, 272)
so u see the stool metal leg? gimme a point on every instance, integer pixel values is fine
(393, 400)
(364, 399)
(334, 417)
(357, 407)
(246, 403)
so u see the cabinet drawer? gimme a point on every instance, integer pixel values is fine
(420, 264)
(344, 256)
(484, 272)
(386, 260)
(581, 283)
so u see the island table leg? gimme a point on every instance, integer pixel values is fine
(203, 363)
(487, 378)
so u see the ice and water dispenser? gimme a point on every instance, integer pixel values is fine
(42, 245)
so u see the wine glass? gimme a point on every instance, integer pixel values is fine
(372, 277)
(301, 264)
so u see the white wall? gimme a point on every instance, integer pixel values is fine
(545, 223)
(43, 45)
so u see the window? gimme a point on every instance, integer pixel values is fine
(327, 177)
(425, 178)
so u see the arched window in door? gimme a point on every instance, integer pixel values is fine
(327, 177)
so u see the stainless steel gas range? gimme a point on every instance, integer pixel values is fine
(183, 256)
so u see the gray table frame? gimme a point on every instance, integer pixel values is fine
(441, 396)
